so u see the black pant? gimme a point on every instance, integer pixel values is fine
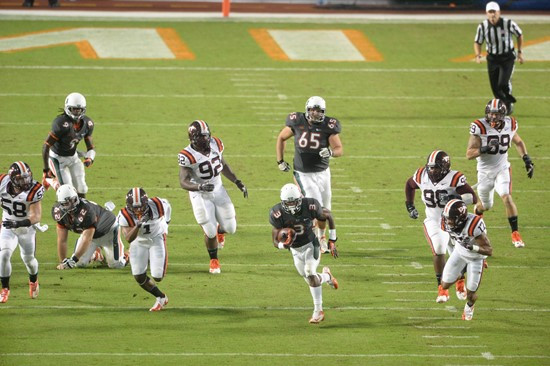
(500, 68)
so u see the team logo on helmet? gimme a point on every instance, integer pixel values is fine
(75, 106)
(438, 165)
(455, 215)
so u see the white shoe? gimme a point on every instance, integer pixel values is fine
(333, 282)
(160, 303)
(324, 244)
(468, 313)
(317, 317)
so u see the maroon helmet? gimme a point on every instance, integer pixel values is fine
(137, 202)
(199, 135)
(20, 176)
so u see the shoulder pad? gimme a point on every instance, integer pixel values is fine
(186, 158)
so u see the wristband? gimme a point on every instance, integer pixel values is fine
(475, 248)
(74, 258)
(281, 245)
(281, 161)
(332, 234)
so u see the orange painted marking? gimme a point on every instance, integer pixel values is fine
(363, 45)
(268, 44)
(175, 44)
(86, 50)
(471, 56)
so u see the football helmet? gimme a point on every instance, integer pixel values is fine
(137, 202)
(291, 198)
(438, 165)
(199, 135)
(20, 176)
(455, 215)
(75, 106)
(495, 111)
(67, 197)
(315, 109)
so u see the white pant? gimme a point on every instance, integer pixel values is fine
(490, 181)
(26, 238)
(454, 266)
(112, 246)
(304, 259)
(436, 237)
(145, 250)
(69, 170)
(316, 185)
(213, 208)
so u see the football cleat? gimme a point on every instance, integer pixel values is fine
(442, 295)
(126, 259)
(516, 240)
(317, 317)
(324, 244)
(333, 282)
(160, 303)
(461, 292)
(468, 313)
(4, 295)
(215, 266)
(34, 289)
(221, 240)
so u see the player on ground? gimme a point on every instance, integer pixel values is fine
(97, 228)
(437, 182)
(298, 213)
(62, 165)
(21, 209)
(144, 224)
(201, 163)
(316, 139)
(489, 142)
(469, 234)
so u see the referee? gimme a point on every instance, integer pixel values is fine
(497, 33)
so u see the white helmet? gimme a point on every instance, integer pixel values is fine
(317, 103)
(75, 106)
(291, 198)
(67, 197)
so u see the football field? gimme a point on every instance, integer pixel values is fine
(400, 91)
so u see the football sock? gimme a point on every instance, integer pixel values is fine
(33, 277)
(513, 223)
(5, 282)
(317, 294)
(213, 253)
(156, 292)
(438, 277)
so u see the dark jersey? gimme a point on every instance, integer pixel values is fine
(309, 139)
(302, 222)
(87, 214)
(66, 134)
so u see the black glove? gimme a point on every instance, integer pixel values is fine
(10, 224)
(283, 166)
(206, 187)
(491, 147)
(413, 213)
(529, 166)
(242, 187)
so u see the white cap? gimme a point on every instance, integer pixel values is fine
(492, 6)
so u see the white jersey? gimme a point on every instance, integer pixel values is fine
(205, 168)
(157, 224)
(17, 207)
(474, 227)
(498, 160)
(435, 196)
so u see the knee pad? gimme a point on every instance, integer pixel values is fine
(210, 230)
(229, 226)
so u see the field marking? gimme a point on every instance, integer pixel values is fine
(456, 345)
(441, 327)
(374, 241)
(432, 318)
(403, 274)
(381, 249)
(449, 336)
(411, 291)
(262, 69)
(484, 355)
(407, 283)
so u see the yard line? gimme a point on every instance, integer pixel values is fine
(412, 300)
(456, 346)
(432, 318)
(265, 355)
(450, 336)
(373, 241)
(410, 291)
(403, 274)
(407, 283)
(382, 249)
(441, 327)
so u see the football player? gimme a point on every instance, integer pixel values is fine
(62, 164)
(296, 212)
(316, 140)
(472, 246)
(144, 224)
(97, 228)
(437, 183)
(201, 164)
(21, 209)
(490, 139)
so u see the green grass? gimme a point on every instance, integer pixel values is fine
(256, 311)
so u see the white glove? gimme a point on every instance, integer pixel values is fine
(325, 152)
(283, 166)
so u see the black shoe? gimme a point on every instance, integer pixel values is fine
(509, 108)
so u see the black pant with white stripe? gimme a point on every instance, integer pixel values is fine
(500, 68)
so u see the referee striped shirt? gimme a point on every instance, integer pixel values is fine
(498, 38)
